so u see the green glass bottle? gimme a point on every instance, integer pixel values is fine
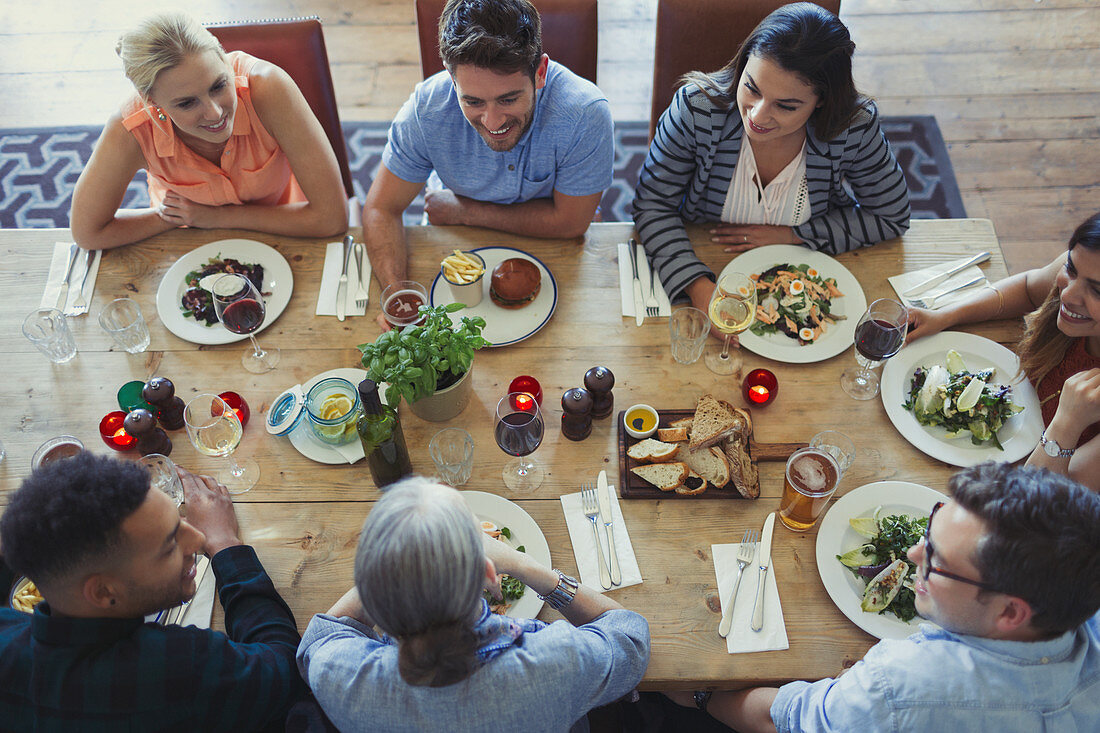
(383, 442)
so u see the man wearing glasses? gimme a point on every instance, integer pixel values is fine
(1009, 571)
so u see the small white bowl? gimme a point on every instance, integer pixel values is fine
(632, 412)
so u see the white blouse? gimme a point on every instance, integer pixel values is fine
(783, 201)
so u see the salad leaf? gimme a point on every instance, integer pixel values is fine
(887, 591)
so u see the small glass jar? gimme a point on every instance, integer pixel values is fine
(324, 398)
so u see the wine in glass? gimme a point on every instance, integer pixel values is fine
(215, 430)
(732, 310)
(518, 433)
(240, 308)
(880, 334)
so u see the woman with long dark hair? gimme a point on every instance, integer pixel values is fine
(777, 146)
(1060, 350)
(442, 661)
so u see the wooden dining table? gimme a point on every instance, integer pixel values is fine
(303, 517)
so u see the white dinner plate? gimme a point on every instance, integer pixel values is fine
(835, 537)
(837, 337)
(503, 326)
(525, 532)
(308, 444)
(1018, 435)
(278, 284)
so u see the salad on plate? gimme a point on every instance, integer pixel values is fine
(882, 564)
(961, 401)
(198, 302)
(511, 588)
(794, 300)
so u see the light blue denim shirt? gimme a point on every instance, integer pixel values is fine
(569, 147)
(534, 676)
(938, 681)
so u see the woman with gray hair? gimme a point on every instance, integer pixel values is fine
(439, 659)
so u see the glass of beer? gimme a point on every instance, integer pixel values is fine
(811, 479)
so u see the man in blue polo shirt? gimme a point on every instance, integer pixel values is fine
(505, 138)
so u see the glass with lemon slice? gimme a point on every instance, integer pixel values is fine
(333, 408)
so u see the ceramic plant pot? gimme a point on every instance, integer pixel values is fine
(446, 403)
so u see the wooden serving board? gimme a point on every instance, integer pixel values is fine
(633, 487)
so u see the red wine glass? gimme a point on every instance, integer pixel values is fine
(240, 308)
(880, 334)
(518, 433)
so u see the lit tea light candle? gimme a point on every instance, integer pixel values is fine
(238, 405)
(113, 434)
(760, 387)
(525, 402)
(527, 384)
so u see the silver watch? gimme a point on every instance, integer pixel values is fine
(563, 592)
(1052, 449)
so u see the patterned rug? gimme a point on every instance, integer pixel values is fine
(39, 167)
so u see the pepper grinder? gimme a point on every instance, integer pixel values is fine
(576, 418)
(598, 381)
(160, 392)
(151, 438)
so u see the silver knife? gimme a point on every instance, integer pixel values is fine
(937, 279)
(63, 293)
(764, 557)
(643, 273)
(639, 302)
(603, 493)
(342, 288)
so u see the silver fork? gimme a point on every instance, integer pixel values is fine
(361, 293)
(745, 553)
(80, 305)
(652, 307)
(591, 509)
(929, 301)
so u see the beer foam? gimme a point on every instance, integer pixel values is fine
(810, 474)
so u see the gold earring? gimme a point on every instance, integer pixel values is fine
(160, 114)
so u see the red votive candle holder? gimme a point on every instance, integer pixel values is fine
(527, 384)
(112, 432)
(238, 405)
(759, 387)
(524, 402)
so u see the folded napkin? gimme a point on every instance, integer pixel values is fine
(626, 283)
(906, 280)
(350, 452)
(742, 638)
(84, 260)
(584, 544)
(330, 280)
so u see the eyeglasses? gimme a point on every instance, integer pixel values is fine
(930, 551)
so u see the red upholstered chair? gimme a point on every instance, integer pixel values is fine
(569, 34)
(296, 45)
(702, 35)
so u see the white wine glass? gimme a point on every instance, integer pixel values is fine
(880, 334)
(240, 308)
(215, 430)
(732, 310)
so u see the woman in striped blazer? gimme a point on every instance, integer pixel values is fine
(777, 146)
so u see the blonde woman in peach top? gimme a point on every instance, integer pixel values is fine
(227, 141)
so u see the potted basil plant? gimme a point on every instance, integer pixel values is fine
(427, 365)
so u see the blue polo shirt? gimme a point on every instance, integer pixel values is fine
(568, 148)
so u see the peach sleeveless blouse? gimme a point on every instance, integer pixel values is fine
(253, 168)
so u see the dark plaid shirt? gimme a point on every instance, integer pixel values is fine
(84, 674)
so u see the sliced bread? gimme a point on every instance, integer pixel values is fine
(693, 484)
(653, 451)
(713, 421)
(710, 463)
(743, 471)
(673, 435)
(665, 476)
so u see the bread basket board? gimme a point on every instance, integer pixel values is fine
(632, 486)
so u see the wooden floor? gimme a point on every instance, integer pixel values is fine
(1012, 83)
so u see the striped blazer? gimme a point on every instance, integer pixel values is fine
(691, 162)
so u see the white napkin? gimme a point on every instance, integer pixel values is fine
(742, 638)
(57, 275)
(350, 452)
(330, 280)
(584, 544)
(626, 284)
(906, 280)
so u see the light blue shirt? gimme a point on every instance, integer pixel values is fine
(939, 681)
(534, 676)
(569, 147)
